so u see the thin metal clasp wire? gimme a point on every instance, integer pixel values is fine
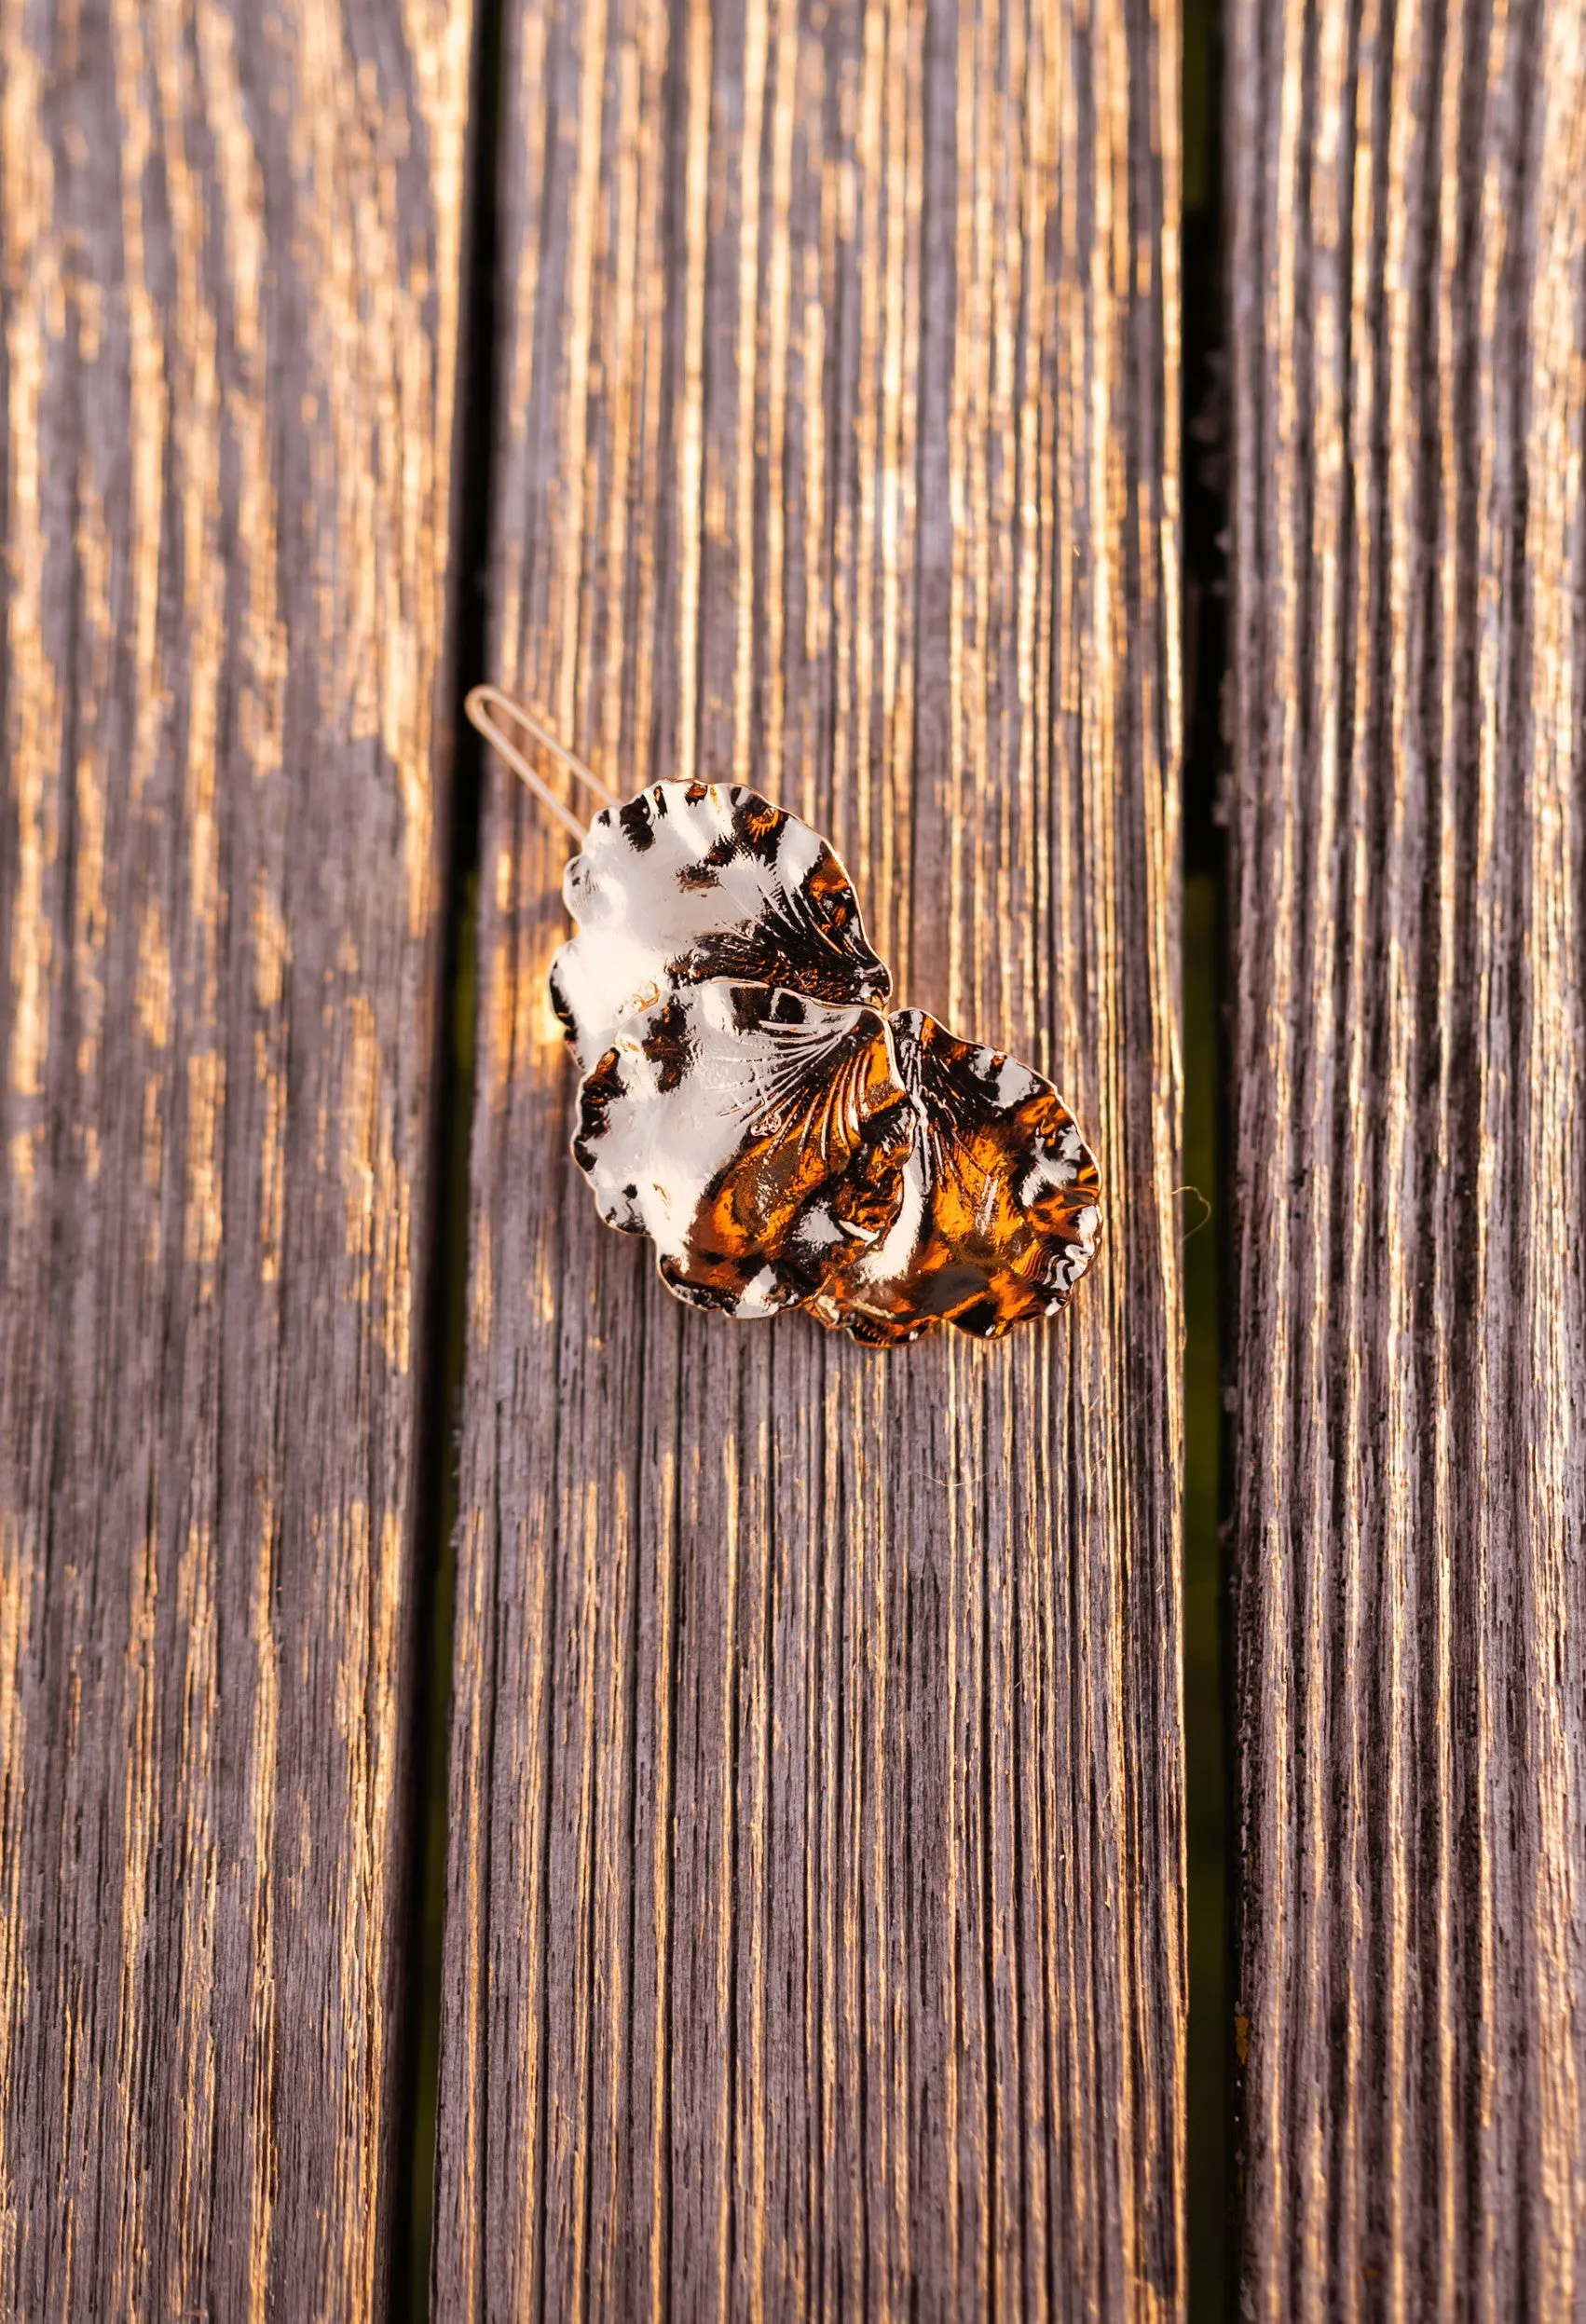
(481, 700)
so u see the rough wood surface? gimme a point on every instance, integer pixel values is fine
(1409, 1151)
(229, 269)
(816, 1929)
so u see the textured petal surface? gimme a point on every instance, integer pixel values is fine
(1000, 1215)
(692, 881)
(757, 1136)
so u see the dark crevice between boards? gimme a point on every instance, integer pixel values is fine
(445, 1318)
(1204, 438)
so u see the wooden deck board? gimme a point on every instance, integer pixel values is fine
(814, 1941)
(229, 284)
(1408, 909)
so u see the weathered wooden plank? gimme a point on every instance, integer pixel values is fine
(229, 267)
(814, 1941)
(1409, 207)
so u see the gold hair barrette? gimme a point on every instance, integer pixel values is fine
(746, 1102)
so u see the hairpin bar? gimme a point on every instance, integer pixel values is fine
(482, 702)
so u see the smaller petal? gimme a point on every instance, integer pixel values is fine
(1000, 1209)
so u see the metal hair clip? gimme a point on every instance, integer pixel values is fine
(745, 1103)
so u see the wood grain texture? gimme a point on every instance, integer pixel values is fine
(1409, 268)
(229, 269)
(816, 1937)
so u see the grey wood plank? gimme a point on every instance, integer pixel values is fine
(816, 1941)
(1409, 267)
(229, 286)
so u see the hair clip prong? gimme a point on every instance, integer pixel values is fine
(481, 702)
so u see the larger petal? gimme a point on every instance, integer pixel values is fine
(756, 1136)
